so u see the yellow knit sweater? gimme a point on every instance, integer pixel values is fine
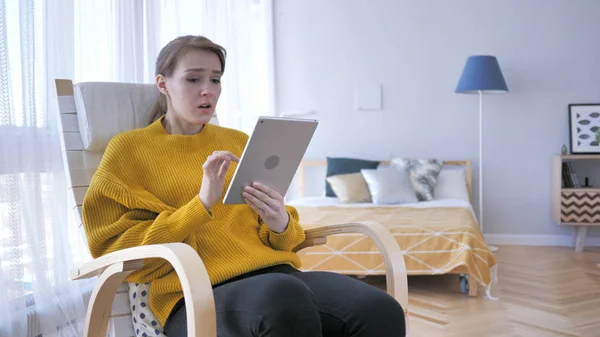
(145, 192)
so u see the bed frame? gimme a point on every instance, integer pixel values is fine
(468, 180)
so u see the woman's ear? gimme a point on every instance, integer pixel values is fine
(161, 84)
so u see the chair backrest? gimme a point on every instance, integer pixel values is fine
(91, 113)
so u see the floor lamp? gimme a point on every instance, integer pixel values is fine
(481, 75)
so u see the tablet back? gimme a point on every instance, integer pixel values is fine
(272, 155)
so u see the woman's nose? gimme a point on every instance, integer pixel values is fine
(206, 89)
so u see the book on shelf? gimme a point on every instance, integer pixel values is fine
(569, 176)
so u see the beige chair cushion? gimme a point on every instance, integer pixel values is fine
(105, 109)
(350, 188)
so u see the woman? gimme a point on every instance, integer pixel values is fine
(164, 183)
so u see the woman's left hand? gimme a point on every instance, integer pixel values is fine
(269, 204)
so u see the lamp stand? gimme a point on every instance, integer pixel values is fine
(492, 248)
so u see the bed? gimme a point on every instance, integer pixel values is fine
(437, 237)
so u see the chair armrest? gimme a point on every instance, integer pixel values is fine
(115, 267)
(393, 259)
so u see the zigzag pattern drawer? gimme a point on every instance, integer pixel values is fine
(580, 207)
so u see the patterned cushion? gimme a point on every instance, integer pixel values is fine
(423, 174)
(144, 321)
(350, 188)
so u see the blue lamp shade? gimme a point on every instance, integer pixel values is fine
(481, 73)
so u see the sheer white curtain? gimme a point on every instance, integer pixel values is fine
(89, 40)
(38, 245)
(120, 40)
(245, 29)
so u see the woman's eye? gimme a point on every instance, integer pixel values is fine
(193, 80)
(216, 80)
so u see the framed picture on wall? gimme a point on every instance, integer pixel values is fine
(584, 128)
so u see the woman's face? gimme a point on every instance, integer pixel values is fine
(194, 88)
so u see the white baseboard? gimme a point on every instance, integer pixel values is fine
(537, 240)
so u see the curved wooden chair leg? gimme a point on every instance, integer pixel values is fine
(102, 297)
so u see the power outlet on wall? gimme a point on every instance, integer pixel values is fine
(368, 96)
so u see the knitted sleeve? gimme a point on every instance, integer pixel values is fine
(288, 239)
(115, 219)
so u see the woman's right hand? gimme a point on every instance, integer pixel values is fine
(213, 179)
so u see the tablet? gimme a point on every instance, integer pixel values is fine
(272, 155)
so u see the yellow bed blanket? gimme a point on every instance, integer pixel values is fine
(434, 240)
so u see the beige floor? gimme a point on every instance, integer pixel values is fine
(541, 291)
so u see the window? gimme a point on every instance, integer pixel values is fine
(28, 150)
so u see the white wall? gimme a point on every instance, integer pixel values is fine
(549, 52)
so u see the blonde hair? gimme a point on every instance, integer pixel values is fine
(166, 63)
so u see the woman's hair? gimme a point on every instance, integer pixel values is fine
(166, 63)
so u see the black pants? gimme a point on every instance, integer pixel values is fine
(281, 301)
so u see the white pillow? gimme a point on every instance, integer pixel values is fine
(451, 184)
(388, 185)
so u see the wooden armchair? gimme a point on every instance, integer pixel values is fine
(90, 114)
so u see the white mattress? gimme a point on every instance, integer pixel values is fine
(333, 201)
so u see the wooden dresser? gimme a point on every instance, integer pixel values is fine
(574, 205)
